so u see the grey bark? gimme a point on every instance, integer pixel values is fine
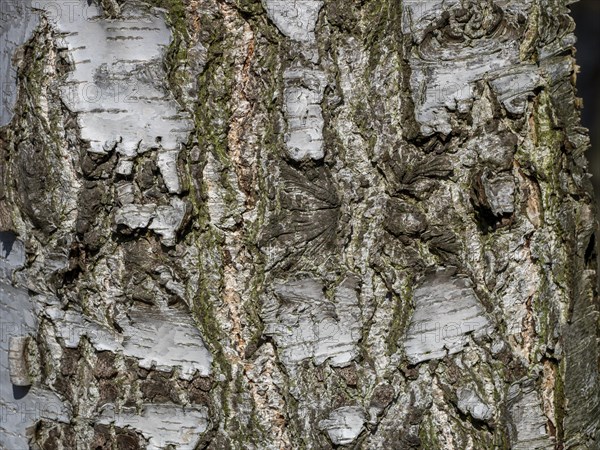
(295, 224)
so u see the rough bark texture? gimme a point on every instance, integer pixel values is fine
(281, 224)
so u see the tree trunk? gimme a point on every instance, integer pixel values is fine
(235, 224)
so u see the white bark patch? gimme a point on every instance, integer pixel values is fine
(162, 425)
(118, 86)
(305, 324)
(20, 412)
(344, 424)
(167, 221)
(160, 339)
(528, 420)
(124, 167)
(135, 216)
(71, 326)
(500, 192)
(304, 86)
(125, 192)
(515, 86)
(444, 71)
(296, 19)
(166, 339)
(17, 23)
(446, 312)
(119, 95)
(469, 402)
(164, 220)
(303, 94)
(167, 164)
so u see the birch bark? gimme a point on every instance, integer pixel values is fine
(277, 224)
